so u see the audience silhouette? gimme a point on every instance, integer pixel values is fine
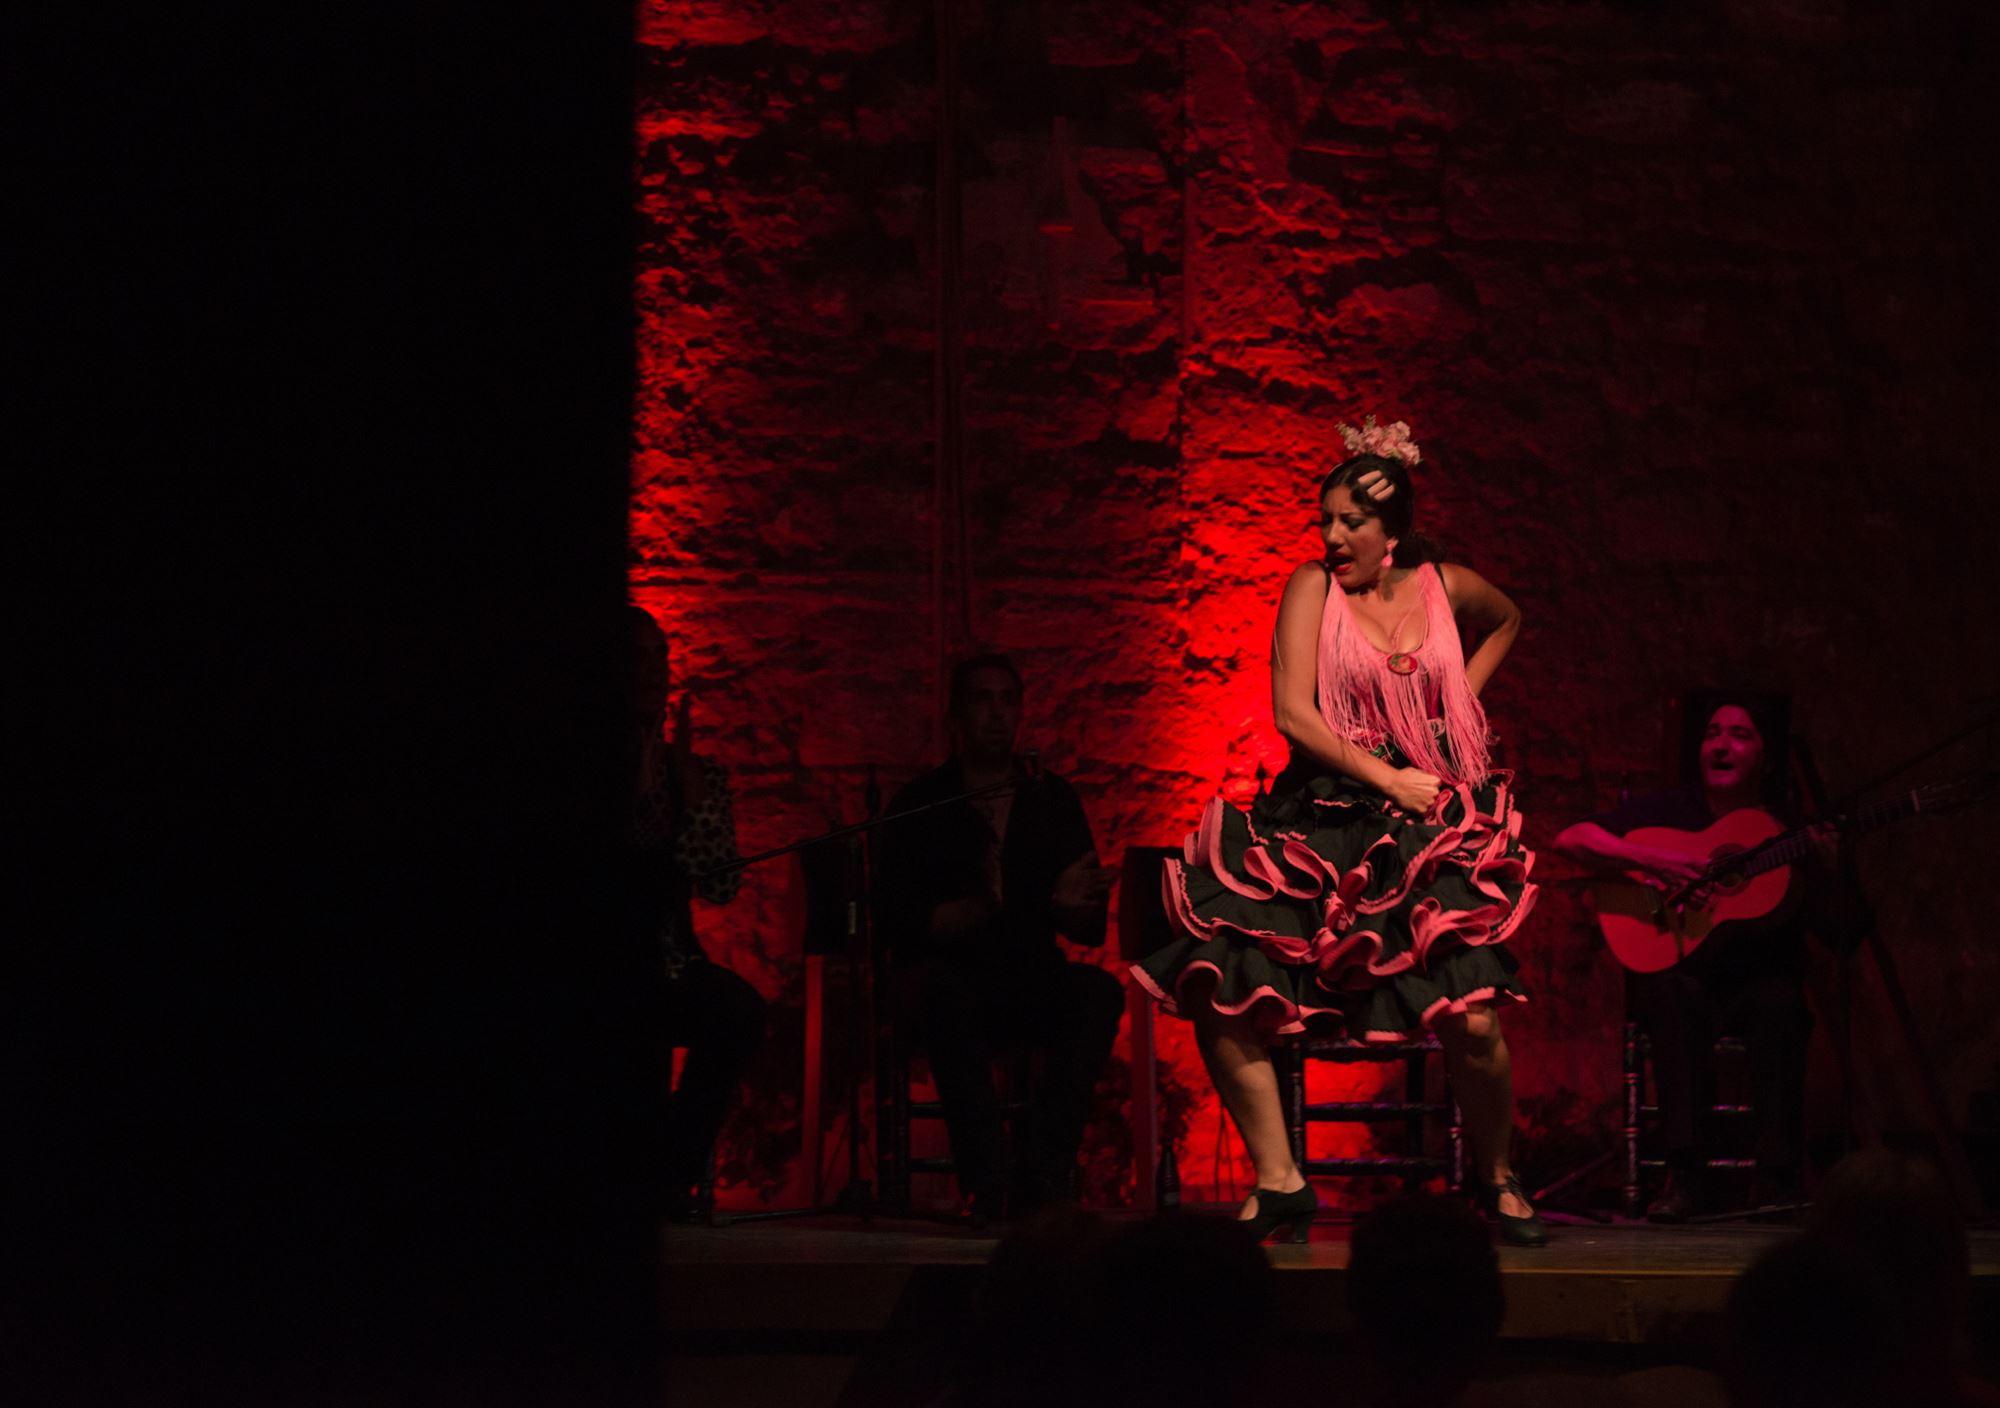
(1423, 1287)
(1866, 1306)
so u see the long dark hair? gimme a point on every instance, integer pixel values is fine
(1772, 713)
(1398, 512)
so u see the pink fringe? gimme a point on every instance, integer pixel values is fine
(1366, 702)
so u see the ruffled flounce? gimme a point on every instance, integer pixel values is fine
(1328, 900)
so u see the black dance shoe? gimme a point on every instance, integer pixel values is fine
(681, 1206)
(1677, 1201)
(987, 1208)
(1294, 1210)
(1031, 1192)
(1529, 1231)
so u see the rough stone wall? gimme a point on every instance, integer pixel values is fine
(781, 464)
(1684, 303)
(1661, 289)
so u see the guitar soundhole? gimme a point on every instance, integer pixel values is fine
(1730, 880)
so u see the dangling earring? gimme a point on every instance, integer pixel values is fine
(1388, 557)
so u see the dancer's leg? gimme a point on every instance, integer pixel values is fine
(1482, 1076)
(1239, 1062)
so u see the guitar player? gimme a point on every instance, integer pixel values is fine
(1747, 977)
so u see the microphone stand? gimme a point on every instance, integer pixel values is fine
(865, 962)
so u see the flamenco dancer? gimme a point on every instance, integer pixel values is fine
(1377, 880)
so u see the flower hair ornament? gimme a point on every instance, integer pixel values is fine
(1391, 441)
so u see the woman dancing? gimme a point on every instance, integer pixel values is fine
(1378, 878)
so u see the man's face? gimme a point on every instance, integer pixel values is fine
(989, 713)
(1732, 750)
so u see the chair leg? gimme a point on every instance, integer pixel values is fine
(1415, 1084)
(895, 1168)
(1458, 1177)
(704, 1193)
(893, 1115)
(1633, 1194)
(1289, 1063)
(1411, 1163)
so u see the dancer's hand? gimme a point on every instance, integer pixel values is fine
(1375, 488)
(1414, 790)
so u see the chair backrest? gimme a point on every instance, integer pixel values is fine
(1143, 926)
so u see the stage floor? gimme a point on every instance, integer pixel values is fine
(1617, 1283)
(833, 1312)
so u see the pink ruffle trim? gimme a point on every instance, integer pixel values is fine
(1439, 1008)
(1340, 955)
(1292, 1016)
(1332, 950)
(1490, 832)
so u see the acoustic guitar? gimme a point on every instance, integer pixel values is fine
(1748, 876)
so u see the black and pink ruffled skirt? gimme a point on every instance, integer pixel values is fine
(1328, 901)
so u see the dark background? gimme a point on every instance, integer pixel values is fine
(323, 1071)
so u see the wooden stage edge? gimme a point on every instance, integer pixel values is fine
(841, 1279)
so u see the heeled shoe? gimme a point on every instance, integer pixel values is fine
(1295, 1210)
(1529, 1231)
(1677, 1201)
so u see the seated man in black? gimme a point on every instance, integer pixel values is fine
(971, 898)
(1748, 978)
(683, 828)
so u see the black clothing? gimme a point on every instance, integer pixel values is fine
(1684, 1012)
(674, 853)
(1746, 980)
(678, 852)
(719, 1019)
(1066, 1012)
(1326, 900)
(940, 856)
(1006, 980)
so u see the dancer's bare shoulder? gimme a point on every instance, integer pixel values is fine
(1304, 599)
(1306, 575)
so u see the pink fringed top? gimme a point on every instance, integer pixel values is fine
(1430, 714)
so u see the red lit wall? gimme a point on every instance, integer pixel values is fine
(1684, 308)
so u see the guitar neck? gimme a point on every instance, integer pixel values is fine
(1783, 850)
